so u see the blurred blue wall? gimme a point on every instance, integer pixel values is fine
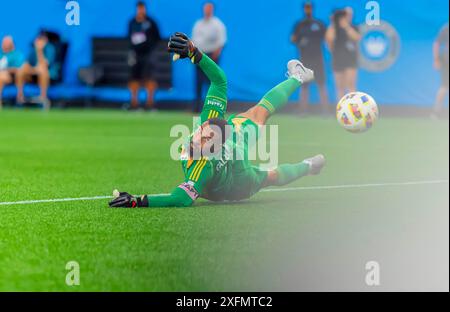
(258, 33)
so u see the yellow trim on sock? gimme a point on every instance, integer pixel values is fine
(267, 105)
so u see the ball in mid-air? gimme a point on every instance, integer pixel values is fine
(357, 112)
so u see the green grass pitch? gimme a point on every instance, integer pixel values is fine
(292, 239)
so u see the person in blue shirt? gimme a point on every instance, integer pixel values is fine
(41, 65)
(10, 61)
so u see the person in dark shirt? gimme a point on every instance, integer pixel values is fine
(144, 35)
(342, 38)
(441, 63)
(308, 35)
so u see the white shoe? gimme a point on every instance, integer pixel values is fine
(298, 71)
(46, 104)
(315, 163)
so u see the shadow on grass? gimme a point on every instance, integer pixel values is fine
(248, 203)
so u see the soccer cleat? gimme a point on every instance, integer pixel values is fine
(297, 71)
(315, 163)
(46, 104)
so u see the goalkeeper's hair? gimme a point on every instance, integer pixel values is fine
(222, 124)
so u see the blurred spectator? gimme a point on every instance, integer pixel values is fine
(143, 33)
(308, 35)
(342, 38)
(209, 35)
(10, 61)
(441, 59)
(41, 66)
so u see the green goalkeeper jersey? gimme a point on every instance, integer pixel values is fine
(229, 175)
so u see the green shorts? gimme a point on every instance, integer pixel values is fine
(247, 183)
(241, 180)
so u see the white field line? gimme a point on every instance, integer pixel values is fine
(344, 186)
(286, 189)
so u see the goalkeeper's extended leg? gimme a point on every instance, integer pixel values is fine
(288, 173)
(279, 95)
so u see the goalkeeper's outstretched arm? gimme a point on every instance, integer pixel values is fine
(184, 195)
(216, 100)
(178, 198)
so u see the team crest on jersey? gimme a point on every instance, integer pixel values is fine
(226, 156)
(315, 27)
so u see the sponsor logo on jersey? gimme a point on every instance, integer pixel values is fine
(213, 102)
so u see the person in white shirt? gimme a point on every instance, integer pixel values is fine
(209, 35)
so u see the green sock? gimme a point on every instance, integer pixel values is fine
(288, 173)
(279, 95)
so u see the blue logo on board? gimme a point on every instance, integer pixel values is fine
(379, 46)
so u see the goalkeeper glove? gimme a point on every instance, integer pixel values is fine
(183, 47)
(125, 200)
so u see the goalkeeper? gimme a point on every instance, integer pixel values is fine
(214, 175)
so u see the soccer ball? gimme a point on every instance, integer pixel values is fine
(357, 112)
